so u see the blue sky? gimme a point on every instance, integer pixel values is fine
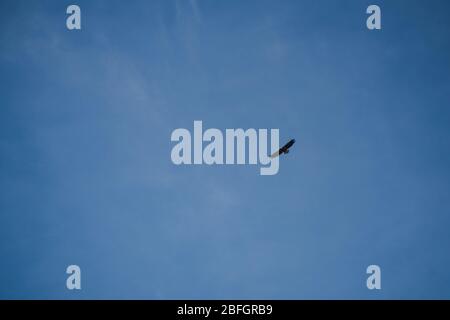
(86, 176)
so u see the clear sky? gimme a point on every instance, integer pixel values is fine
(86, 176)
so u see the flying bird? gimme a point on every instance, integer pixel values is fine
(283, 149)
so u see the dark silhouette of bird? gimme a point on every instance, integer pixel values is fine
(283, 149)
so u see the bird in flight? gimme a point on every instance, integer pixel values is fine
(283, 149)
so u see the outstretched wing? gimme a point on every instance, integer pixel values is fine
(283, 149)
